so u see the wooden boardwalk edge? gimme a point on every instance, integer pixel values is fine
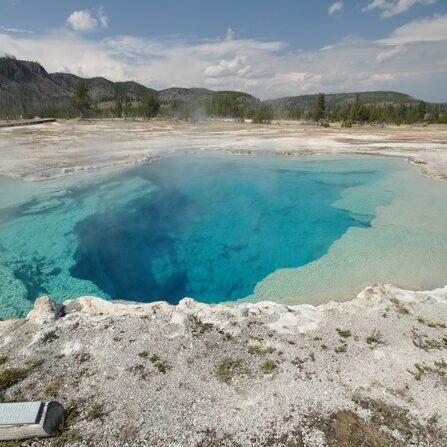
(27, 122)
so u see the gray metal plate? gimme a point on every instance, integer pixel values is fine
(20, 413)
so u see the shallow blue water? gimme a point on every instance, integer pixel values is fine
(206, 226)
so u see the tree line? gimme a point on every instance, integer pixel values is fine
(358, 112)
(229, 104)
(224, 104)
(233, 105)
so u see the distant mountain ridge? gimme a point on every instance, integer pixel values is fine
(31, 79)
(335, 99)
(27, 85)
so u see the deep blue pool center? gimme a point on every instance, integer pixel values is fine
(215, 226)
(208, 226)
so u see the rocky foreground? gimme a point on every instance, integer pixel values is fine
(369, 372)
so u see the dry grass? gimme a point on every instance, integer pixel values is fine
(228, 368)
(347, 429)
(11, 376)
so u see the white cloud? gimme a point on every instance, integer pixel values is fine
(263, 68)
(103, 20)
(237, 66)
(393, 7)
(429, 29)
(336, 7)
(230, 34)
(85, 21)
(386, 55)
(15, 30)
(82, 21)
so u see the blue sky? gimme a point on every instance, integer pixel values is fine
(264, 47)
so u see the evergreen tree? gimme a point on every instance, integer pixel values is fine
(320, 107)
(149, 106)
(422, 109)
(119, 107)
(81, 99)
(294, 113)
(263, 115)
(355, 113)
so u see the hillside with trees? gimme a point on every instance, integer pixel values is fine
(28, 90)
(361, 107)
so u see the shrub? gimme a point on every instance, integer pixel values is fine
(375, 338)
(199, 327)
(345, 333)
(11, 376)
(259, 350)
(268, 366)
(52, 390)
(161, 365)
(96, 411)
(341, 348)
(227, 368)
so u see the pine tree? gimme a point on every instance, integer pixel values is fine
(320, 107)
(149, 106)
(264, 115)
(422, 109)
(81, 99)
(118, 107)
(356, 110)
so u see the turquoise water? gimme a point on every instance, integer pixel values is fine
(214, 227)
(207, 226)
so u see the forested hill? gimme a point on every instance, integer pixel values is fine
(23, 80)
(27, 89)
(307, 102)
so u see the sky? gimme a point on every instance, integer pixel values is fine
(264, 47)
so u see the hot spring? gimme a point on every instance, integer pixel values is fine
(220, 227)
